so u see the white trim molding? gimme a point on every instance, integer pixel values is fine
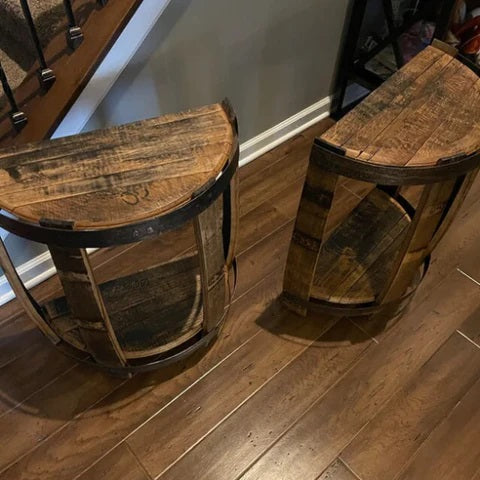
(271, 138)
(41, 267)
(32, 273)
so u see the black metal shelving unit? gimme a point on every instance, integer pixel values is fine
(353, 69)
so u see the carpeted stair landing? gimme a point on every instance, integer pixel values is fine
(17, 53)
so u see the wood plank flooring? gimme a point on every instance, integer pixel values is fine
(277, 396)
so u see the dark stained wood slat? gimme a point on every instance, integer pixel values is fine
(453, 449)
(26, 374)
(119, 176)
(308, 447)
(88, 308)
(266, 218)
(120, 464)
(471, 328)
(405, 422)
(419, 122)
(458, 124)
(308, 235)
(96, 432)
(101, 27)
(367, 112)
(22, 294)
(428, 217)
(234, 444)
(17, 337)
(454, 208)
(416, 119)
(209, 236)
(337, 471)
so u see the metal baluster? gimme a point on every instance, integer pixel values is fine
(45, 74)
(390, 19)
(17, 117)
(74, 32)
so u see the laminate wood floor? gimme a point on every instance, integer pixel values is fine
(277, 396)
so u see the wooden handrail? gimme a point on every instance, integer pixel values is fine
(101, 26)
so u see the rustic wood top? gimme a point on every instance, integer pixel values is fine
(428, 110)
(119, 175)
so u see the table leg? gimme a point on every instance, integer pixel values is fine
(86, 305)
(315, 204)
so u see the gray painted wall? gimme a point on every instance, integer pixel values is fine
(272, 58)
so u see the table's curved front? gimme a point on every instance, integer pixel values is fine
(124, 185)
(420, 129)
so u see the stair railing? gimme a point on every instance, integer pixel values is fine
(46, 76)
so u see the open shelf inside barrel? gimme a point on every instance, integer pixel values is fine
(152, 311)
(357, 258)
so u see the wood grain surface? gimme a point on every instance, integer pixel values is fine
(356, 260)
(451, 451)
(101, 26)
(118, 175)
(427, 111)
(408, 418)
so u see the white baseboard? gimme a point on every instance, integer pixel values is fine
(41, 268)
(271, 138)
(32, 273)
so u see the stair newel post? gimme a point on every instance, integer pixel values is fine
(45, 74)
(74, 32)
(17, 117)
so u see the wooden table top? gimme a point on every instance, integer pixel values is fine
(427, 111)
(119, 175)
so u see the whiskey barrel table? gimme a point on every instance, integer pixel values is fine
(118, 186)
(417, 136)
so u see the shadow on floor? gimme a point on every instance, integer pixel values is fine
(77, 387)
(280, 321)
(81, 387)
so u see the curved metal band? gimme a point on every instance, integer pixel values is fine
(333, 159)
(131, 233)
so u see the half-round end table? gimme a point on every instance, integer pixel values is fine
(119, 186)
(420, 128)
